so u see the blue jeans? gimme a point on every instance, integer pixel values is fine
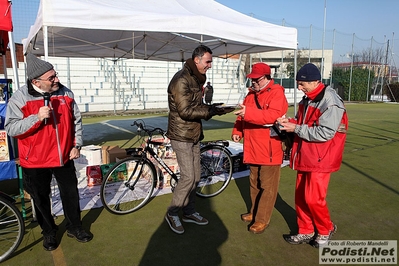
(37, 182)
(188, 159)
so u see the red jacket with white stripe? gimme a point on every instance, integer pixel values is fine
(43, 145)
(320, 133)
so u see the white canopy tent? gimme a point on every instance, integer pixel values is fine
(149, 29)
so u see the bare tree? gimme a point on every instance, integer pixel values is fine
(302, 59)
(377, 55)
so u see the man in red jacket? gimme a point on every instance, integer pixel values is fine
(45, 119)
(320, 132)
(264, 103)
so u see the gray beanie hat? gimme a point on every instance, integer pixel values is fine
(36, 67)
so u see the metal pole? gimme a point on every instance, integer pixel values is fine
(332, 58)
(310, 42)
(114, 87)
(350, 77)
(295, 85)
(282, 62)
(322, 43)
(385, 71)
(392, 48)
(368, 81)
(13, 59)
(45, 42)
(69, 72)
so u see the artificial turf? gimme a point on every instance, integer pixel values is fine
(363, 198)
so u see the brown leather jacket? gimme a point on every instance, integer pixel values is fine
(185, 105)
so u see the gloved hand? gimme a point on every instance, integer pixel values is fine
(215, 110)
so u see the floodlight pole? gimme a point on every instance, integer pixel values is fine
(368, 80)
(350, 76)
(332, 59)
(310, 42)
(322, 43)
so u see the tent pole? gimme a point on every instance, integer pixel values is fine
(13, 59)
(45, 42)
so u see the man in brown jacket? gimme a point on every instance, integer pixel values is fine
(186, 110)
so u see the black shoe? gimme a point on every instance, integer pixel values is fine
(50, 242)
(80, 235)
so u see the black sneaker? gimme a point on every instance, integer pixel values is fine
(299, 238)
(321, 240)
(50, 242)
(174, 223)
(80, 235)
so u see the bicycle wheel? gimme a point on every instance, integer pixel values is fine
(216, 171)
(12, 228)
(128, 185)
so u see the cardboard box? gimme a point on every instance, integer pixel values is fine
(4, 147)
(110, 153)
(90, 155)
(94, 175)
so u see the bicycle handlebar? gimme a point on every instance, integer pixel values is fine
(141, 126)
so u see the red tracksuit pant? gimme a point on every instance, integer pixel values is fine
(310, 203)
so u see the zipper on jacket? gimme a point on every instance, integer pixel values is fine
(58, 142)
(27, 154)
(270, 150)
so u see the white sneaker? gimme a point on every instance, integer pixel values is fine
(322, 240)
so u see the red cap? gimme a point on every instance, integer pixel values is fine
(259, 70)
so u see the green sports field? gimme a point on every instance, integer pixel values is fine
(363, 198)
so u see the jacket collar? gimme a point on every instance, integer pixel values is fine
(194, 71)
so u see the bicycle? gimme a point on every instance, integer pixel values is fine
(12, 226)
(129, 183)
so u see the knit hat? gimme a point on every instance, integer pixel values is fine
(259, 70)
(36, 67)
(308, 72)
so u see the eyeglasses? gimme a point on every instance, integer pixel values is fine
(51, 78)
(258, 79)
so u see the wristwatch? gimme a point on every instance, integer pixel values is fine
(78, 147)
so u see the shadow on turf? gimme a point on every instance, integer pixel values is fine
(281, 206)
(198, 245)
(288, 213)
(371, 178)
(89, 218)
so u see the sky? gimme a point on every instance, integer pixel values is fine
(340, 23)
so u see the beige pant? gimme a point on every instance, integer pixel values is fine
(264, 180)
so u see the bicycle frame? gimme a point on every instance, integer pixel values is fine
(222, 144)
(159, 159)
(125, 194)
